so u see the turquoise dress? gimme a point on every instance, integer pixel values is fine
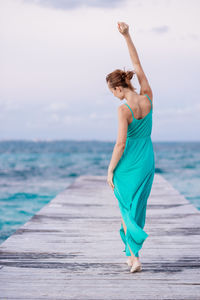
(133, 179)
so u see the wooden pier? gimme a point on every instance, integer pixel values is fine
(72, 249)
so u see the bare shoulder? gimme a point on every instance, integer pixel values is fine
(122, 112)
(122, 108)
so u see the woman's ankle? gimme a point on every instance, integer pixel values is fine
(134, 258)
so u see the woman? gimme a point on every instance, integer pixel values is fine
(132, 167)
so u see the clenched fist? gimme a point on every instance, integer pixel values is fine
(123, 28)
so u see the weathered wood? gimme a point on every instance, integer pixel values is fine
(71, 249)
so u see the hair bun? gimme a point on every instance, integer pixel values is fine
(124, 75)
(120, 78)
(129, 74)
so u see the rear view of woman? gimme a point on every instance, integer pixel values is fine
(132, 166)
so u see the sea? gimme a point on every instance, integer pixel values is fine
(33, 172)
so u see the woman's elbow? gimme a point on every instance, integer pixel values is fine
(121, 145)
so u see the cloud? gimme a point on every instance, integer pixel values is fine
(160, 29)
(56, 106)
(8, 105)
(104, 116)
(192, 36)
(72, 4)
(191, 112)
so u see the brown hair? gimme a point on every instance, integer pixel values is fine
(120, 78)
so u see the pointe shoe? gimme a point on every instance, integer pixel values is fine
(136, 267)
(129, 262)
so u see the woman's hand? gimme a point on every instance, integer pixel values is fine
(123, 28)
(110, 179)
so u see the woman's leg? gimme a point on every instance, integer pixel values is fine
(124, 226)
(133, 257)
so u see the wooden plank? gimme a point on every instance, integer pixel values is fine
(71, 249)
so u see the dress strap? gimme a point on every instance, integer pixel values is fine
(149, 100)
(130, 109)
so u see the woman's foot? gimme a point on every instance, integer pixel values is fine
(136, 266)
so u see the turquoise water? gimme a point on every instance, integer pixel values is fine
(33, 173)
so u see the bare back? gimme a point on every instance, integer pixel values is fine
(141, 107)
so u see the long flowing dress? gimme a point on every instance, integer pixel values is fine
(133, 179)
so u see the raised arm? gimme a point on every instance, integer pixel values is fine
(143, 81)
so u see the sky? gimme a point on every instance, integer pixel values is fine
(55, 56)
